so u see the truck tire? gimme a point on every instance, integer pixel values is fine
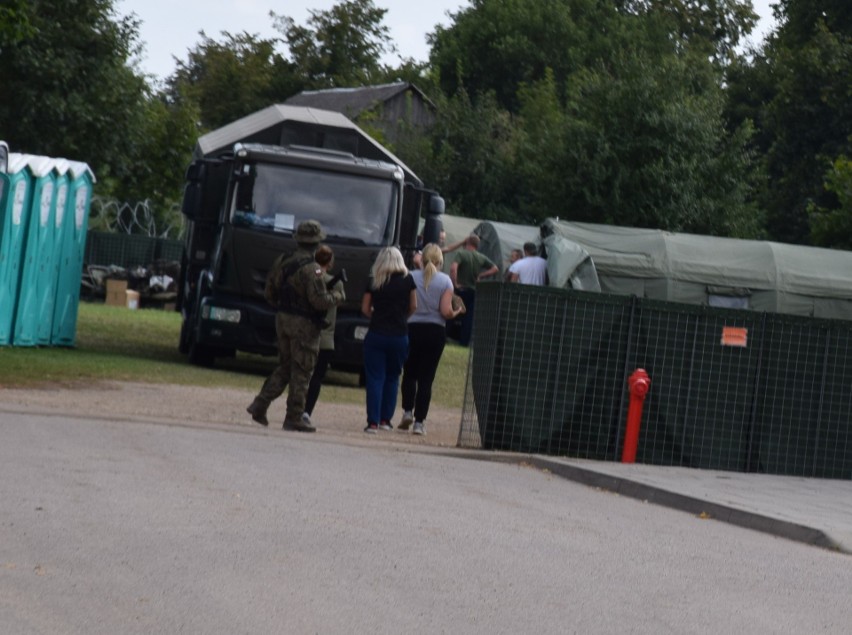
(201, 355)
(184, 341)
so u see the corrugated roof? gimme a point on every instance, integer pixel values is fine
(353, 101)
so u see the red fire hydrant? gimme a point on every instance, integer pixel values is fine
(638, 383)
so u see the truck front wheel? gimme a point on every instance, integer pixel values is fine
(201, 355)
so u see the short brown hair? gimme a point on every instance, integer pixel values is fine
(324, 255)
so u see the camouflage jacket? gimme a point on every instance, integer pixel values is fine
(311, 295)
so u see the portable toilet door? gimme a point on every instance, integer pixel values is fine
(72, 252)
(37, 251)
(50, 254)
(14, 213)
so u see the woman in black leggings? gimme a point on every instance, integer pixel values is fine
(427, 334)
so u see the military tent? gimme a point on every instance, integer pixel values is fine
(709, 270)
(497, 240)
(458, 227)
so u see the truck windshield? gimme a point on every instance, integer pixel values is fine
(351, 208)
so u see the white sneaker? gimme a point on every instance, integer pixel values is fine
(407, 420)
(306, 418)
(419, 428)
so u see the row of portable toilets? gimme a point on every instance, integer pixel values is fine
(44, 213)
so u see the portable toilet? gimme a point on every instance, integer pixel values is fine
(38, 251)
(73, 225)
(14, 214)
(50, 254)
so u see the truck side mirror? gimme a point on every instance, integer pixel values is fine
(206, 181)
(436, 205)
(434, 220)
(193, 191)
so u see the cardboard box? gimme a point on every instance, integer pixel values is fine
(132, 299)
(117, 294)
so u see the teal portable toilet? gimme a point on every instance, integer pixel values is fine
(74, 225)
(38, 248)
(50, 252)
(14, 213)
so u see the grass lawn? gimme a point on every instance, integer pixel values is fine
(114, 343)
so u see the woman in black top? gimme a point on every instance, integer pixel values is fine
(389, 299)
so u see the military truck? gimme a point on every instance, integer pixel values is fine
(249, 186)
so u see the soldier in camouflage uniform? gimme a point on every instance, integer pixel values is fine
(298, 328)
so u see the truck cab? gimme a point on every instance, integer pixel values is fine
(242, 206)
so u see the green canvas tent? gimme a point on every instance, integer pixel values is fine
(456, 228)
(708, 270)
(497, 240)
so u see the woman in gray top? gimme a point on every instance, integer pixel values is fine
(427, 335)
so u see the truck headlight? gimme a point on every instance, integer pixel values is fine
(221, 315)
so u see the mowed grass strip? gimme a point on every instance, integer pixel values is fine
(118, 344)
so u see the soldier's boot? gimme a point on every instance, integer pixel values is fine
(300, 424)
(257, 410)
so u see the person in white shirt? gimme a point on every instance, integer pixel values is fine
(531, 269)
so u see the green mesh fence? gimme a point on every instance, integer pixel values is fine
(129, 250)
(730, 390)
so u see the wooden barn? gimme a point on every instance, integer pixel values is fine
(381, 107)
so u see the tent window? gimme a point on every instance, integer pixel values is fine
(728, 297)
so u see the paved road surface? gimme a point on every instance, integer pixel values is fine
(131, 527)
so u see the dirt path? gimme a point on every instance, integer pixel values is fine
(162, 402)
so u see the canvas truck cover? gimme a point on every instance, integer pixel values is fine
(283, 125)
(693, 269)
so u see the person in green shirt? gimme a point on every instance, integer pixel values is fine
(469, 267)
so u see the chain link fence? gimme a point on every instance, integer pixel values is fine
(730, 390)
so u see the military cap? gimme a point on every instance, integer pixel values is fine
(310, 232)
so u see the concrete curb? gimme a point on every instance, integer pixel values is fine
(585, 475)
(659, 496)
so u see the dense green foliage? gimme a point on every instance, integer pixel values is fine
(634, 112)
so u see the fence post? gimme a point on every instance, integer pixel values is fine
(638, 383)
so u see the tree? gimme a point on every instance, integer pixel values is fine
(169, 135)
(339, 47)
(807, 122)
(712, 27)
(14, 24)
(230, 79)
(832, 227)
(472, 158)
(645, 145)
(495, 46)
(613, 117)
(75, 93)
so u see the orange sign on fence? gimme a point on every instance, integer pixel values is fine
(734, 336)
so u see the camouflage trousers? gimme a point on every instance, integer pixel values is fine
(298, 348)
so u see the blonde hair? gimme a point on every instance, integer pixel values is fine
(388, 262)
(433, 262)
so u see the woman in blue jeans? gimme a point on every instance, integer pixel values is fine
(389, 299)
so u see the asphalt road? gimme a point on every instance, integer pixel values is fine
(130, 527)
